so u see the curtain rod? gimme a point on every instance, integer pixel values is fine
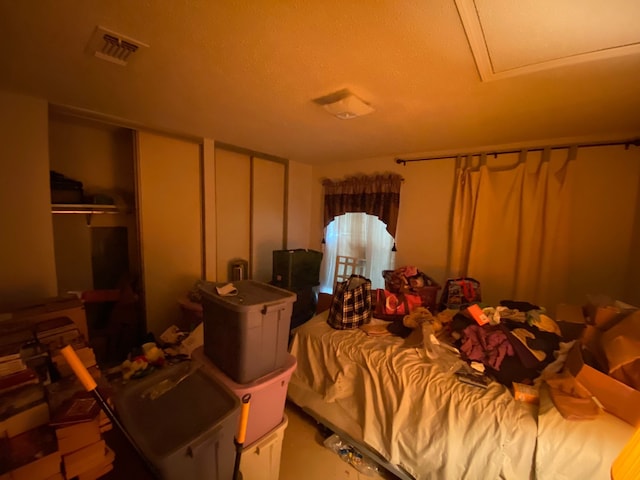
(635, 142)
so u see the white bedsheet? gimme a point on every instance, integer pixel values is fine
(411, 410)
(585, 449)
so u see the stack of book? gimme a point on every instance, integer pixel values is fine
(84, 353)
(33, 444)
(79, 424)
(10, 359)
(55, 334)
(23, 405)
(31, 455)
(23, 409)
(13, 339)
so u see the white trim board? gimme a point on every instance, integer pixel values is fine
(578, 39)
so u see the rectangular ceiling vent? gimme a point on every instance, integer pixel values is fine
(344, 104)
(112, 46)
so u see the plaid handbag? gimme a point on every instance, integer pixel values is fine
(351, 305)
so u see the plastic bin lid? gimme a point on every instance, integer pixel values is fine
(195, 405)
(250, 292)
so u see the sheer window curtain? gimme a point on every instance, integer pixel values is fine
(361, 236)
(360, 219)
(510, 226)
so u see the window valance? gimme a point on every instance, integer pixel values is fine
(377, 195)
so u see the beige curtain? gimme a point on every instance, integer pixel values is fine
(510, 226)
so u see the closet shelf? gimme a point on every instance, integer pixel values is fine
(87, 208)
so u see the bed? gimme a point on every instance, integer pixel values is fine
(413, 416)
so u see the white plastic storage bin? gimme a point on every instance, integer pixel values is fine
(247, 335)
(261, 459)
(183, 421)
(268, 394)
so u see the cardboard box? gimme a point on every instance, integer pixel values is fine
(589, 321)
(621, 347)
(603, 312)
(617, 398)
(571, 320)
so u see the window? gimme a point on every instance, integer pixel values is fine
(361, 236)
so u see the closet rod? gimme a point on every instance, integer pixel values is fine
(635, 142)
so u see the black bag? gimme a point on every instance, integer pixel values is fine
(460, 293)
(351, 305)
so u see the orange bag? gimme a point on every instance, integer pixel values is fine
(391, 306)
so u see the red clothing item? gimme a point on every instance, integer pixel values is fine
(487, 344)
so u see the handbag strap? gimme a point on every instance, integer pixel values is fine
(361, 280)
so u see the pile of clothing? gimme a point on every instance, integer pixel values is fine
(516, 344)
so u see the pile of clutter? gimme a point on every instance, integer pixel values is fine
(176, 346)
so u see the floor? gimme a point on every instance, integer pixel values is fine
(303, 455)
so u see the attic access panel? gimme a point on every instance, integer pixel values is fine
(510, 38)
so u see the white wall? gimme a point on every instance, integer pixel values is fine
(232, 210)
(605, 233)
(27, 269)
(606, 207)
(299, 202)
(170, 216)
(267, 215)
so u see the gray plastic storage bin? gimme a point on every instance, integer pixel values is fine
(247, 335)
(188, 431)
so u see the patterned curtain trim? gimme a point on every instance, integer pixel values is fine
(377, 195)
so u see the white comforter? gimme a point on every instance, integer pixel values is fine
(580, 450)
(411, 410)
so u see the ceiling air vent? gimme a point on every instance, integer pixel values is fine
(112, 46)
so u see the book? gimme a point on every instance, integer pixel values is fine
(77, 436)
(53, 326)
(58, 340)
(26, 419)
(80, 407)
(20, 399)
(100, 470)
(55, 333)
(12, 366)
(10, 351)
(84, 353)
(40, 306)
(12, 339)
(57, 476)
(32, 455)
(16, 380)
(85, 459)
(104, 422)
(478, 315)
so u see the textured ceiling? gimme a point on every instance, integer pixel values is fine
(246, 73)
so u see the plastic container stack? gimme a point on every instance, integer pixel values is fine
(246, 335)
(183, 421)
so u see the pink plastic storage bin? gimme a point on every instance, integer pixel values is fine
(268, 394)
